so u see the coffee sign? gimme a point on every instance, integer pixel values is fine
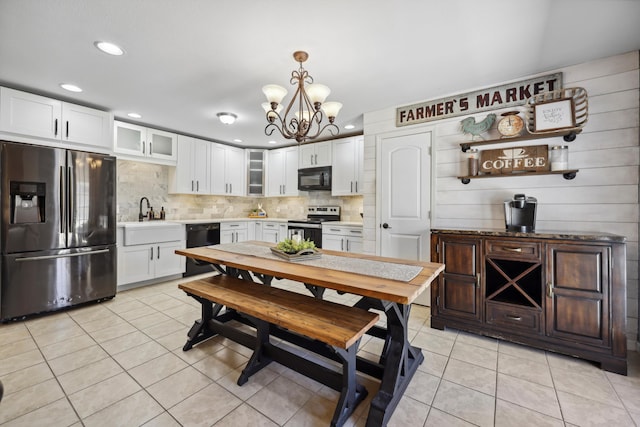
(512, 160)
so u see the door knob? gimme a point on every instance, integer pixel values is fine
(385, 225)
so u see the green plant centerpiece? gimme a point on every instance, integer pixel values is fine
(296, 250)
(290, 246)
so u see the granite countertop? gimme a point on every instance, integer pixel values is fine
(538, 234)
(200, 221)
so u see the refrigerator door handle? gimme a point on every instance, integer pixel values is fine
(76, 254)
(63, 200)
(70, 215)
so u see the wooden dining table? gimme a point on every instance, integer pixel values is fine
(387, 285)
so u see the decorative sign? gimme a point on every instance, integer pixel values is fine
(554, 115)
(507, 95)
(512, 160)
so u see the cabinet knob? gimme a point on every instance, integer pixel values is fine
(385, 225)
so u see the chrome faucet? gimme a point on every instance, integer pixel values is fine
(140, 216)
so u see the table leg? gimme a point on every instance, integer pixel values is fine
(400, 360)
(200, 330)
(259, 358)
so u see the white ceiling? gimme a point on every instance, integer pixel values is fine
(187, 60)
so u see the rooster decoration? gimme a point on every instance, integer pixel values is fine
(470, 126)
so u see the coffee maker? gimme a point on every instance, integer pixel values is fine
(520, 213)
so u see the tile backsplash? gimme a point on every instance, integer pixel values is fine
(138, 179)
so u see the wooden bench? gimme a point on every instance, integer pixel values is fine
(339, 326)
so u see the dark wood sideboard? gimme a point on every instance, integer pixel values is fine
(557, 291)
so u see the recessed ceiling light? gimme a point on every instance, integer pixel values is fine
(134, 115)
(70, 87)
(227, 118)
(349, 126)
(237, 140)
(272, 142)
(109, 48)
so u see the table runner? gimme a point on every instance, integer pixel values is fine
(385, 270)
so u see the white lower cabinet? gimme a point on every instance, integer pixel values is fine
(274, 232)
(234, 232)
(147, 253)
(144, 262)
(342, 238)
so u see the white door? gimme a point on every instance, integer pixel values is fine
(405, 197)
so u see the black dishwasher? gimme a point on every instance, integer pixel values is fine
(201, 235)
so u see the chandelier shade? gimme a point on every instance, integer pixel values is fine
(303, 116)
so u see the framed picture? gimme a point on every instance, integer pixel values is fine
(554, 115)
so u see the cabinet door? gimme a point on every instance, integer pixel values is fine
(136, 264)
(270, 234)
(306, 156)
(322, 156)
(347, 170)
(200, 158)
(578, 290)
(167, 263)
(161, 145)
(290, 171)
(275, 172)
(355, 245)
(283, 231)
(129, 139)
(459, 291)
(255, 172)
(333, 242)
(29, 114)
(86, 125)
(181, 180)
(235, 171)
(217, 160)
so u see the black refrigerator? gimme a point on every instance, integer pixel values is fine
(58, 228)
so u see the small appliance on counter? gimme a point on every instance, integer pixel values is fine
(520, 213)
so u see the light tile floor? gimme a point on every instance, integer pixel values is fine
(120, 363)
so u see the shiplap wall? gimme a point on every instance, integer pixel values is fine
(603, 197)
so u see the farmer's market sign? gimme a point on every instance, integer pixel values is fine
(493, 98)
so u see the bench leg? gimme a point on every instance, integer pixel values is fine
(259, 358)
(200, 330)
(352, 393)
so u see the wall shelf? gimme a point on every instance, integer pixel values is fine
(567, 174)
(567, 134)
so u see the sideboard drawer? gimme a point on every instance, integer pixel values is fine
(513, 248)
(514, 317)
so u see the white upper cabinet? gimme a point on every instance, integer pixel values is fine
(145, 143)
(41, 117)
(282, 172)
(348, 159)
(315, 155)
(191, 174)
(228, 170)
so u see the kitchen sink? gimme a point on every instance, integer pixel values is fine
(140, 233)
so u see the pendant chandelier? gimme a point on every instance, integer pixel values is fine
(303, 117)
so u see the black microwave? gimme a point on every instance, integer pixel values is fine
(314, 179)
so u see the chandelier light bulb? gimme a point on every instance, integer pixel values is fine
(274, 93)
(331, 109)
(317, 93)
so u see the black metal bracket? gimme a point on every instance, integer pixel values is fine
(570, 136)
(465, 147)
(465, 180)
(569, 175)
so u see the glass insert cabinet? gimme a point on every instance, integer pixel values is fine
(563, 293)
